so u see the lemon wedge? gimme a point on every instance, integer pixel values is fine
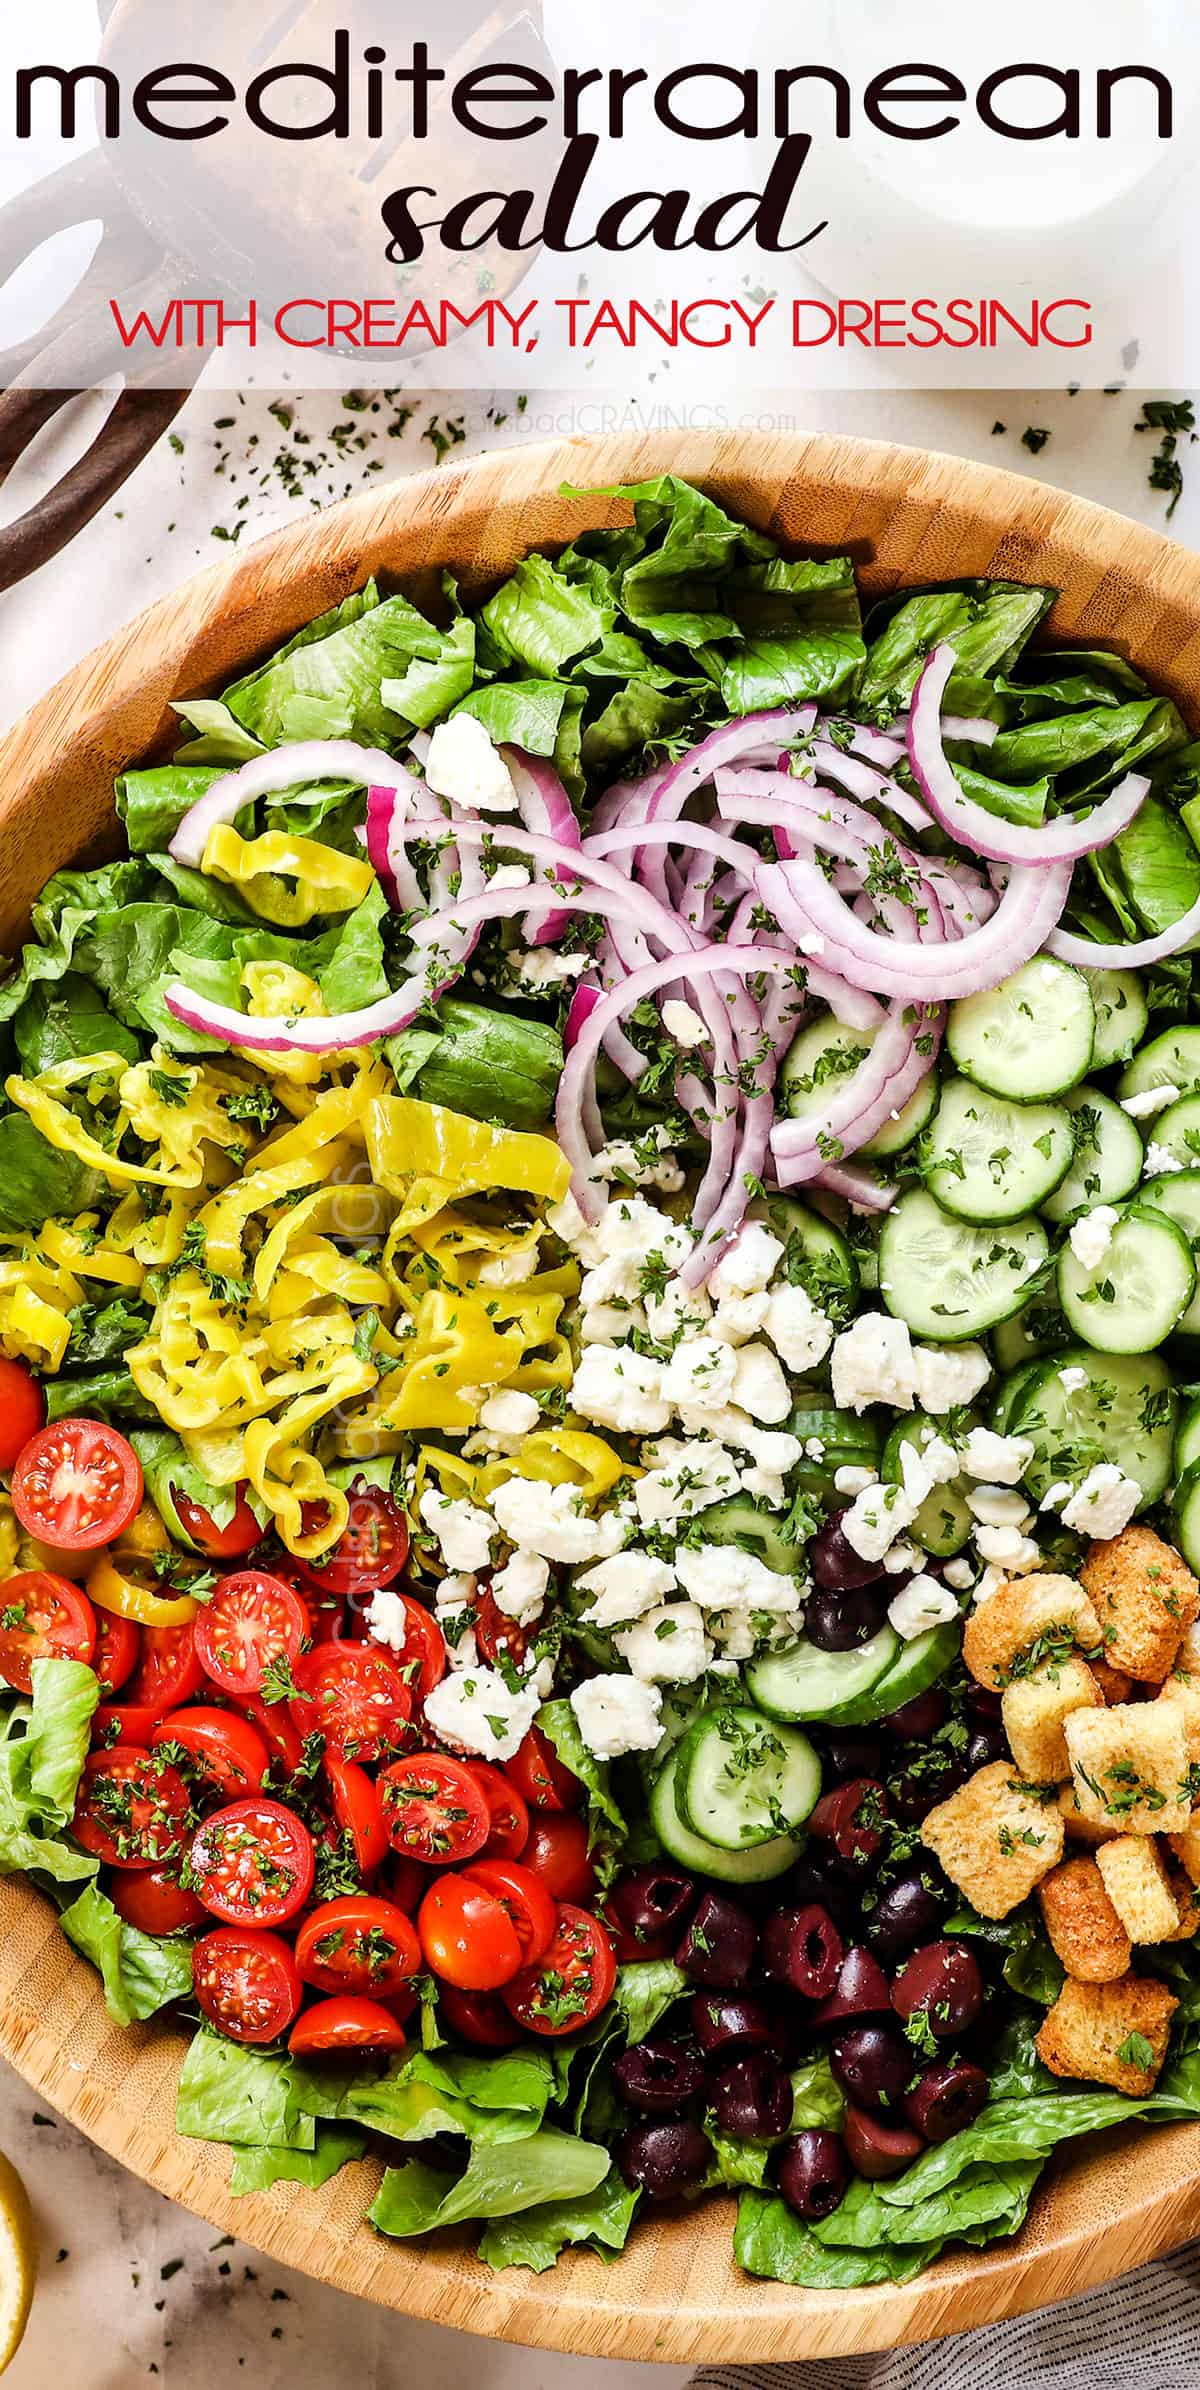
(18, 2261)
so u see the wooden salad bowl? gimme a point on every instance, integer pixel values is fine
(905, 517)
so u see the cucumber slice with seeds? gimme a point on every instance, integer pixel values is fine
(1177, 1193)
(986, 1159)
(816, 1257)
(948, 1280)
(1121, 1015)
(827, 1052)
(1108, 1157)
(943, 1523)
(1029, 1038)
(1124, 1411)
(1170, 1060)
(743, 1779)
(1130, 1300)
(1037, 1328)
(1186, 1507)
(1187, 1440)
(803, 1683)
(1177, 1131)
(755, 1866)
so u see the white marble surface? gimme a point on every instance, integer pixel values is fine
(105, 2318)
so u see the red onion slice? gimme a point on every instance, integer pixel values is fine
(1091, 957)
(545, 807)
(972, 825)
(268, 775)
(801, 900)
(859, 1188)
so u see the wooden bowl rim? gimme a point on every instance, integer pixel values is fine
(715, 2312)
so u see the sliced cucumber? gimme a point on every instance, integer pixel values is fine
(985, 1159)
(826, 1052)
(1133, 1297)
(943, 1522)
(1187, 1440)
(802, 1683)
(1008, 1396)
(746, 1524)
(742, 1779)
(816, 1257)
(1187, 1516)
(917, 1665)
(1029, 1038)
(1171, 1060)
(1177, 1130)
(691, 1850)
(948, 1280)
(1036, 1329)
(1121, 1015)
(847, 1441)
(1177, 1193)
(1108, 1157)
(1124, 1412)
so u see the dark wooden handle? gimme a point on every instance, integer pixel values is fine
(137, 420)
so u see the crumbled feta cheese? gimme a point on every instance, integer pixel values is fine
(1150, 1101)
(520, 1587)
(1073, 1380)
(997, 1505)
(989, 1583)
(1027, 1558)
(475, 1710)
(635, 1228)
(462, 1532)
(722, 1577)
(851, 1480)
(765, 1486)
(949, 1375)
(1001, 1545)
(739, 1317)
(510, 1269)
(1091, 1236)
(872, 1361)
(759, 1385)
(875, 1518)
(960, 1574)
(915, 1475)
(683, 1025)
(463, 763)
(749, 1265)
(551, 1519)
(1104, 1504)
(387, 1618)
(539, 968)
(800, 1333)
(686, 1479)
(610, 1323)
(566, 1221)
(940, 1458)
(1160, 1159)
(679, 1311)
(903, 1557)
(616, 1714)
(616, 1387)
(668, 1646)
(700, 1374)
(920, 1604)
(625, 1587)
(509, 1413)
(1056, 1495)
(1000, 1459)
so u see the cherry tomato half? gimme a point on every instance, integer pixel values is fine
(479, 2017)
(371, 1550)
(76, 1483)
(22, 1409)
(42, 1618)
(118, 1643)
(509, 1829)
(407, 1882)
(253, 1863)
(254, 1624)
(495, 1632)
(358, 1944)
(228, 1753)
(167, 1674)
(467, 1935)
(356, 1697)
(522, 1898)
(346, 2025)
(571, 1982)
(132, 1807)
(433, 1808)
(540, 1777)
(246, 1983)
(557, 1851)
(230, 1542)
(153, 1899)
(422, 1655)
(357, 1811)
(274, 1722)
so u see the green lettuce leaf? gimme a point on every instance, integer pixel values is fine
(486, 2100)
(987, 623)
(152, 803)
(59, 1020)
(491, 1065)
(1159, 866)
(538, 621)
(43, 1745)
(105, 1331)
(247, 2096)
(167, 1469)
(99, 1394)
(328, 684)
(770, 2241)
(258, 2169)
(220, 738)
(433, 684)
(557, 1721)
(36, 1180)
(599, 2220)
(521, 713)
(497, 2182)
(141, 1974)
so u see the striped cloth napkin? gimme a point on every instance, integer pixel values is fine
(1141, 2333)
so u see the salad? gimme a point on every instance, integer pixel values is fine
(599, 1222)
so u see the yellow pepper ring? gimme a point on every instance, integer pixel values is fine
(120, 1583)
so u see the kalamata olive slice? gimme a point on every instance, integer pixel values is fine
(946, 2099)
(877, 2150)
(808, 1886)
(803, 1948)
(873, 2063)
(841, 1621)
(853, 1819)
(810, 2173)
(987, 1744)
(928, 1778)
(861, 1990)
(941, 1982)
(731, 2025)
(852, 1754)
(921, 1716)
(753, 2099)
(658, 2078)
(719, 1945)
(664, 2160)
(835, 1564)
(908, 1912)
(653, 1902)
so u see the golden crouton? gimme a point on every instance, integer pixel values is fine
(1112, 2033)
(1136, 1881)
(1114, 1684)
(1186, 1846)
(995, 1839)
(1084, 1928)
(1187, 1905)
(1034, 1709)
(1144, 1596)
(1079, 1828)
(1129, 1766)
(1031, 1619)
